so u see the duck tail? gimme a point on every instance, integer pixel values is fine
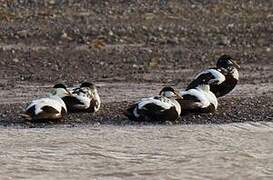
(129, 112)
(26, 116)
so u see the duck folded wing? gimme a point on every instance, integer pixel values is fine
(48, 109)
(194, 99)
(215, 76)
(156, 102)
(71, 101)
(190, 104)
(153, 108)
(49, 113)
(83, 101)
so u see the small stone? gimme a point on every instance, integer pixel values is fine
(225, 40)
(64, 35)
(144, 27)
(230, 25)
(111, 33)
(16, 60)
(149, 50)
(149, 16)
(4, 115)
(51, 2)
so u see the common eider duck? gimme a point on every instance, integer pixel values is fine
(158, 108)
(226, 66)
(199, 99)
(85, 98)
(48, 108)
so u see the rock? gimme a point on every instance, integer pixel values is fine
(225, 41)
(22, 34)
(111, 33)
(64, 35)
(52, 2)
(135, 66)
(16, 60)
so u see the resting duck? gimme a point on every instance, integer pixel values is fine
(85, 98)
(48, 108)
(157, 108)
(226, 66)
(199, 99)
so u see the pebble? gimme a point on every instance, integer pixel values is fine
(16, 60)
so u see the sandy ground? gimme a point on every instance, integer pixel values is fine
(132, 49)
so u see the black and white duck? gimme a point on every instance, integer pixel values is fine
(85, 98)
(48, 108)
(158, 108)
(199, 99)
(228, 67)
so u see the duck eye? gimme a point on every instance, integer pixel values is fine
(53, 92)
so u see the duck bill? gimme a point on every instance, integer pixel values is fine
(68, 93)
(236, 65)
(178, 96)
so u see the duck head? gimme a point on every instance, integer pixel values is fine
(90, 86)
(170, 92)
(59, 90)
(227, 63)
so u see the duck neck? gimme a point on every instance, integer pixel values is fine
(204, 87)
(56, 97)
(230, 72)
(235, 73)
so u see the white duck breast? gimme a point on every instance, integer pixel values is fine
(231, 80)
(235, 74)
(208, 94)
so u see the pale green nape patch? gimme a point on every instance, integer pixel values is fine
(52, 92)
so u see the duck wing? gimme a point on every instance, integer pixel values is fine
(215, 76)
(156, 109)
(193, 99)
